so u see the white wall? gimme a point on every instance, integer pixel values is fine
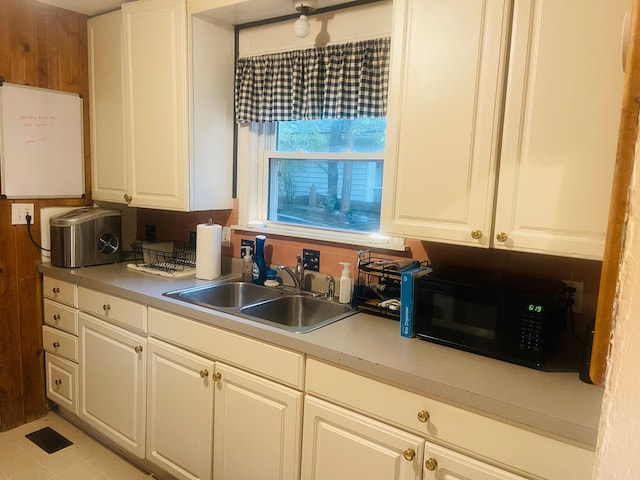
(617, 453)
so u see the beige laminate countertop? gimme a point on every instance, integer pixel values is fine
(555, 403)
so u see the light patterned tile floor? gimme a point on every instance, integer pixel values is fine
(86, 459)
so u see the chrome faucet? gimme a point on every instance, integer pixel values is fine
(331, 288)
(298, 274)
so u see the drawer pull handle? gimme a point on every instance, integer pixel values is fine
(106, 307)
(58, 381)
(56, 290)
(56, 344)
(476, 234)
(502, 237)
(423, 416)
(56, 317)
(204, 373)
(138, 349)
(409, 454)
(216, 376)
(431, 464)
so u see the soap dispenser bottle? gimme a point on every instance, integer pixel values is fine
(259, 274)
(247, 265)
(345, 283)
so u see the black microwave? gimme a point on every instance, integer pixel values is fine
(511, 318)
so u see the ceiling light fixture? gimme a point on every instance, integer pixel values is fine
(302, 28)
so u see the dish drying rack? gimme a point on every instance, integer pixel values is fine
(377, 288)
(169, 259)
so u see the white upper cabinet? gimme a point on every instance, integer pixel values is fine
(515, 155)
(562, 112)
(444, 118)
(177, 104)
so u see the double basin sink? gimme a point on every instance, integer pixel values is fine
(292, 310)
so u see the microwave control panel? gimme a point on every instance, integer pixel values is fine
(531, 328)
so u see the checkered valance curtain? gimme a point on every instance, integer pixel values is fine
(337, 81)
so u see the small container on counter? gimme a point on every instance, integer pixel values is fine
(272, 279)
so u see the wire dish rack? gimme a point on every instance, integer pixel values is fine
(377, 288)
(172, 258)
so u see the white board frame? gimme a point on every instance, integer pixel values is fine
(41, 143)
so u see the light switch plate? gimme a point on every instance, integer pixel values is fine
(226, 236)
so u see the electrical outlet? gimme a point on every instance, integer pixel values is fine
(226, 236)
(311, 259)
(19, 212)
(577, 296)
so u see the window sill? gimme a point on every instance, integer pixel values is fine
(379, 242)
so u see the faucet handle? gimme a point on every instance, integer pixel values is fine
(331, 288)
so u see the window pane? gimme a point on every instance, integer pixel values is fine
(358, 135)
(335, 194)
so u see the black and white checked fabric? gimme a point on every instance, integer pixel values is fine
(338, 81)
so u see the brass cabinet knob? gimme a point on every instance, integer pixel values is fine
(58, 381)
(204, 373)
(56, 344)
(431, 464)
(106, 307)
(502, 237)
(138, 349)
(56, 290)
(127, 198)
(423, 416)
(56, 317)
(409, 454)
(216, 376)
(476, 234)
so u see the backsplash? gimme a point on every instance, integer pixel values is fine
(283, 250)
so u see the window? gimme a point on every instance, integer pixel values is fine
(327, 174)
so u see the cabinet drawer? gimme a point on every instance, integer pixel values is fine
(62, 382)
(61, 316)
(60, 343)
(490, 439)
(60, 291)
(264, 359)
(112, 308)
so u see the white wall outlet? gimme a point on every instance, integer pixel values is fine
(577, 296)
(226, 236)
(19, 212)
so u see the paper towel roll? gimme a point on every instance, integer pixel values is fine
(208, 251)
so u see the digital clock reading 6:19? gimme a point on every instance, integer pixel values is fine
(535, 308)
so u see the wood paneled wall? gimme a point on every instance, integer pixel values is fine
(41, 46)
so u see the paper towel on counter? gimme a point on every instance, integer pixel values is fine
(208, 251)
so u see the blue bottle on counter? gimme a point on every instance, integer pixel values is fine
(259, 274)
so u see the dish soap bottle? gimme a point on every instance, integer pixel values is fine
(259, 273)
(345, 283)
(247, 265)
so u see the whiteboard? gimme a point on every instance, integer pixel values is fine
(41, 143)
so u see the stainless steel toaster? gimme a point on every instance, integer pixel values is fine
(86, 236)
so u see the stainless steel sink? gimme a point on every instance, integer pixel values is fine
(287, 309)
(232, 294)
(299, 313)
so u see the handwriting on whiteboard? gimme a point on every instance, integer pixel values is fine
(37, 122)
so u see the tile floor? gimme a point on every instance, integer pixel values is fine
(86, 459)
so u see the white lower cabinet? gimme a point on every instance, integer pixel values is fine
(257, 427)
(112, 378)
(339, 444)
(442, 463)
(180, 390)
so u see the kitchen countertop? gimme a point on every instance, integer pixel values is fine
(554, 402)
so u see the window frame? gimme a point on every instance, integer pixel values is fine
(255, 142)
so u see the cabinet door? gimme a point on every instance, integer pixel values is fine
(106, 107)
(179, 406)
(155, 53)
(112, 381)
(441, 463)
(342, 445)
(561, 123)
(257, 428)
(444, 119)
